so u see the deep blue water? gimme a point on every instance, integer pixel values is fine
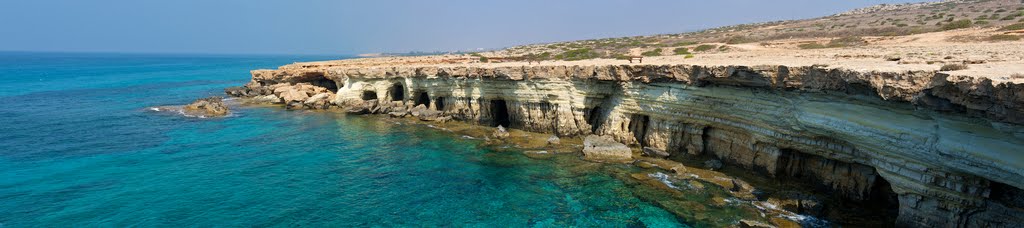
(79, 148)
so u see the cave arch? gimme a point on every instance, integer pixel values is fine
(397, 92)
(593, 118)
(439, 103)
(369, 95)
(499, 113)
(423, 99)
(318, 79)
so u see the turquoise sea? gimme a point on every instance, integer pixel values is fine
(78, 147)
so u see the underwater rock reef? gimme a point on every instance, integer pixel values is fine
(941, 150)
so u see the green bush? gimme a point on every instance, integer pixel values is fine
(737, 40)
(655, 52)
(688, 56)
(1017, 26)
(681, 51)
(811, 46)
(684, 43)
(578, 54)
(847, 42)
(959, 24)
(1004, 37)
(704, 47)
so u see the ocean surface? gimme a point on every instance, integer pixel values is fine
(79, 147)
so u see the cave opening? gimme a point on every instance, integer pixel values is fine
(318, 79)
(638, 125)
(882, 203)
(1007, 195)
(397, 92)
(439, 103)
(499, 113)
(423, 99)
(369, 95)
(593, 118)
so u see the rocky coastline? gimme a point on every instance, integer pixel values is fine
(937, 149)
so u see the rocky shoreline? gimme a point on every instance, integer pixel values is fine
(941, 150)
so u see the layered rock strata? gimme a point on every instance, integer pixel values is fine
(949, 149)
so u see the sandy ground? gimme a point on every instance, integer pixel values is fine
(929, 51)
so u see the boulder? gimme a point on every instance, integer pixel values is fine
(206, 107)
(398, 114)
(319, 101)
(237, 91)
(271, 98)
(429, 115)
(364, 107)
(654, 152)
(292, 95)
(500, 133)
(554, 140)
(604, 148)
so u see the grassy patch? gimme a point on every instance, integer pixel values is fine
(704, 47)
(655, 52)
(1004, 37)
(811, 46)
(578, 54)
(689, 56)
(1017, 26)
(681, 51)
(737, 40)
(959, 24)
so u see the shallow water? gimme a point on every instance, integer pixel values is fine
(81, 148)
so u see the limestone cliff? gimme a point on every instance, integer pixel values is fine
(951, 148)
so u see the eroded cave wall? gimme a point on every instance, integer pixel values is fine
(943, 167)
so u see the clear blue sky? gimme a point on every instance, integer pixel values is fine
(352, 27)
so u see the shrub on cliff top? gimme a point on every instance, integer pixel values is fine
(681, 51)
(655, 52)
(737, 40)
(811, 46)
(704, 47)
(578, 54)
(965, 23)
(1003, 37)
(1017, 26)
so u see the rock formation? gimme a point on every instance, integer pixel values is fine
(947, 148)
(206, 107)
(603, 148)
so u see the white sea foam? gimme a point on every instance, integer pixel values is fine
(664, 179)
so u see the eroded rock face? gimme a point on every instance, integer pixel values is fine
(948, 147)
(600, 148)
(206, 107)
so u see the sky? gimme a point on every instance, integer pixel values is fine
(354, 27)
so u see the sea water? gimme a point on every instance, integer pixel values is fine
(78, 147)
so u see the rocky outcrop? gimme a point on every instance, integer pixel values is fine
(946, 149)
(206, 107)
(600, 148)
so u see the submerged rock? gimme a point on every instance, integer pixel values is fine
(604, 148)
(500, 133)
(206, 107)
(654, 152)
(554, 140)
(753, 224)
